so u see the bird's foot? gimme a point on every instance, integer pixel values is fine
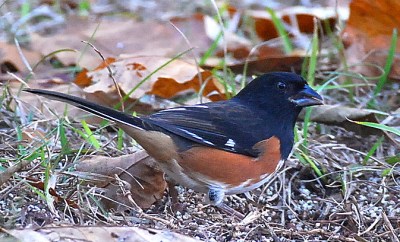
(176, 205)
(216, 197)
(230, 211)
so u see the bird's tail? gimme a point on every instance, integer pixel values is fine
(101, 111)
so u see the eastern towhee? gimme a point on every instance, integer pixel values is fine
(218, 148)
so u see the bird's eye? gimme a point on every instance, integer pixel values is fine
(281, 86)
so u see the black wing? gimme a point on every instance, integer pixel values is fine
(227, 125)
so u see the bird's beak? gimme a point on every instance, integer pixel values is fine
(306, 97)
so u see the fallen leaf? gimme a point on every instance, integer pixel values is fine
(50, 109)
(11, 59)
(28, 103)
(297, 18)
(344, 117)
(113, 37)
(173, 79)
(97, 233)
(30, 135)
(268, 64)
(269, 55)
(368, 34)
(139, 170)
(231, 39)
(51, 191)
(82, 79)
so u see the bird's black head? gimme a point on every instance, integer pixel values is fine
(278, 98)
(280, 90)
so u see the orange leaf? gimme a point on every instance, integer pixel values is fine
(368, 34)
(139, 170)
(171, 80)
(82, 79)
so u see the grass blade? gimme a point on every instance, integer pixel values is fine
(90, 138)
(63, 138)
(372, 150)
(389, 63)
(280, 28)
(379, 126)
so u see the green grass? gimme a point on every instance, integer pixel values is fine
(88, 136)
(84, 7)
(219, 11)
(373, 150)
(312, 66)
(120, 139)
(386, 70)
(228, 81)
(65, 148)
(211, 50)
(393, 160)
(25, 8)
(388, 65)
(309, 65)
(283, 34)
(126, 97)
(382, 127)
(21, 148)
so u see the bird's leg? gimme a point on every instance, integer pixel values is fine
(230, 211)
(216, 197)
(176, 206)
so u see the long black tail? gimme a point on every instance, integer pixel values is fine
(101, 111)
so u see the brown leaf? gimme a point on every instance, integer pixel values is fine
(141, 171)
(341, 116)
(45, 106)
(141, 38)
(52, 191)
(232, 40)
(368, 34)
(268, 56)
(29, 134)
(98, 233)
(303, 20)
(11, 58)
(272, 63)
(171, 80)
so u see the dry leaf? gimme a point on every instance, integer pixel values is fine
(139, 170)
(97, 233)
(113, 37)
(340, 116)
(299, 19)
(33, 135)
(28, 102)
(231, 39)
(171, 80)
(269, 56)
(56, 197)
(368, 34)
(11, 58)
(272, 63)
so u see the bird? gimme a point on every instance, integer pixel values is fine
(218, 148)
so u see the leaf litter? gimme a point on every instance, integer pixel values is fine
(356, 199)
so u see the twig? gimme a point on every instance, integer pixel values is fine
(9, 172)
(127, 193)
(194, 56)
(390, 227)
(109, 73)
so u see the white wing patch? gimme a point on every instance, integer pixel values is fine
(196, 136)
(230, 143)
(174, 109)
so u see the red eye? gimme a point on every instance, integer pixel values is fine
(281, 86)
